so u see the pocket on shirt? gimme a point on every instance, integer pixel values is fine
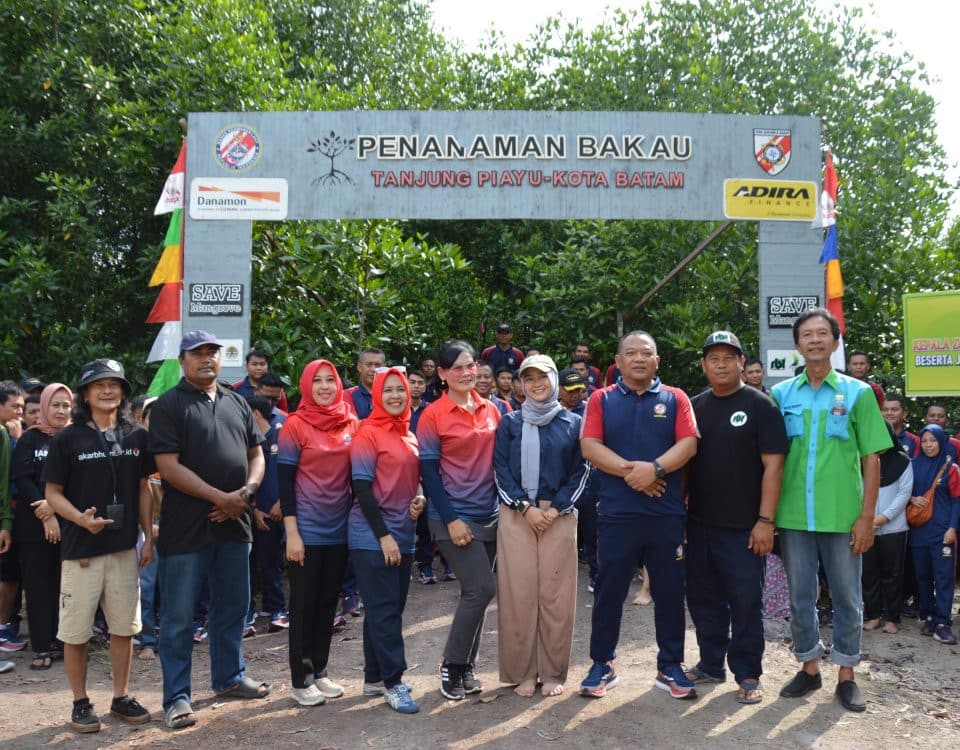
(793, 421)
(837, 426)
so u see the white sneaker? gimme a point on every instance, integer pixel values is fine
(328, 687)
(309, 696)
(6, 666)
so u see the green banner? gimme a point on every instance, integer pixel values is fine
(931, 343)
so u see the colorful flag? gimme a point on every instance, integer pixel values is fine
(172, 196)
(830, 255)
(167, 343)
(170, 266)
(167, 306)
(168, 375)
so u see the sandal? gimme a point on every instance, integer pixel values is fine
(41, 660)
(246, 689)
(750, 686)
(698, 677)
(179, 715)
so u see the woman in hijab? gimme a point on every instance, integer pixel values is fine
(35, 525)
(540, 475)
(386, 474)
(315, 497)
(882, 575)
(933, 545)
(456, 434)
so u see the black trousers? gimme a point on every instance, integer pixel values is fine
(314, 593)
(882, 577)
(40, 577)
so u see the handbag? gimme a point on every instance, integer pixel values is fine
(917, 516)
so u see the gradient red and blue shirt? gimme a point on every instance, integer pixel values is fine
(462, 441)
(638, 427)
(392, 463)
(322, 486)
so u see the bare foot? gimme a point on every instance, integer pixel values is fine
(872, 624)
(891, 627)
(551, 689)
(526, 688)
(146, 654)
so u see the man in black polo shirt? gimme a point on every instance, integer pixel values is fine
(733, 487)
(207, 449)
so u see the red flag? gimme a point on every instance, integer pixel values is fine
(172, 195)
(167, 306)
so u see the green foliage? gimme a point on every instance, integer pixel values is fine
(90, 96)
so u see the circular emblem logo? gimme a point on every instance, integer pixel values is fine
(738, 419)
(660, 410)
(238, 147)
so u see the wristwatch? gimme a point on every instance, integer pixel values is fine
(249, 494)
(658, 469)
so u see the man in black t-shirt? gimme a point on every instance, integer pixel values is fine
(734, 488)
(95, 479)
(207, 449)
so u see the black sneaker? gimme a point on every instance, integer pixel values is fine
(83, 719)
(451, 681)
(129, 710)
(471, 684)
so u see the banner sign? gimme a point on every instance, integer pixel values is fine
(931, 343)
(783, 310)
(215, 299)
(503, 165)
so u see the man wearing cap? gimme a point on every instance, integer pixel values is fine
(207, 449)
(827, 503)
(573, 388)
(95, 479)
(504, 354)
(639, 433)
(730, 521)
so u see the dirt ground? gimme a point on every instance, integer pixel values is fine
(910, 682)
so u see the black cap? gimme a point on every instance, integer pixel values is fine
(571, 380)
(32, 385)
(102, 369)
(196, 339)
(722, 337)
(504, 328)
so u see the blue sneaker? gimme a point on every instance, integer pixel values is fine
(400, 701)
(601, 678)
(8, 641)
(675, 681)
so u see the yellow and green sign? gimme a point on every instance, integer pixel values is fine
(931, 343)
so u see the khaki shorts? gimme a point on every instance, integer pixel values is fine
(111, 582)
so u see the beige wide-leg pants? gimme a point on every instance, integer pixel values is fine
(536, 597)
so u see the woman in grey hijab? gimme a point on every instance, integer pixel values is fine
(540, 475)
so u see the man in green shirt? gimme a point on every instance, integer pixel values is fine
(827, 502)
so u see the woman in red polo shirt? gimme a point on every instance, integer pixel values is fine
(456, 435)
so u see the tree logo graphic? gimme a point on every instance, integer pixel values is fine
(331, 146)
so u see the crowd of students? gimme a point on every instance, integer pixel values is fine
(471, 461)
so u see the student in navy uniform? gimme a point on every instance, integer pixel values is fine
(258, 365)
(503, 354)
(730, 522)
(896, 415)
(639, 434)
(593, 376)
(268, 521)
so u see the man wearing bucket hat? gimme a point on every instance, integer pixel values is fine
(730, 522)
(207, 448)
(96, 480)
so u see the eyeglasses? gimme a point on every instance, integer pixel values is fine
(459, 369)
(110, 436)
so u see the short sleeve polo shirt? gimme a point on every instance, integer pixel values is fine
(829, 428)
(463, 443)
(391, 462)
(638, 427)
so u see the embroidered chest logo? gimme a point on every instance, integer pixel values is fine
(660, 410)
(738, 419)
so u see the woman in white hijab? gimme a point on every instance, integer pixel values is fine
(540, 475)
